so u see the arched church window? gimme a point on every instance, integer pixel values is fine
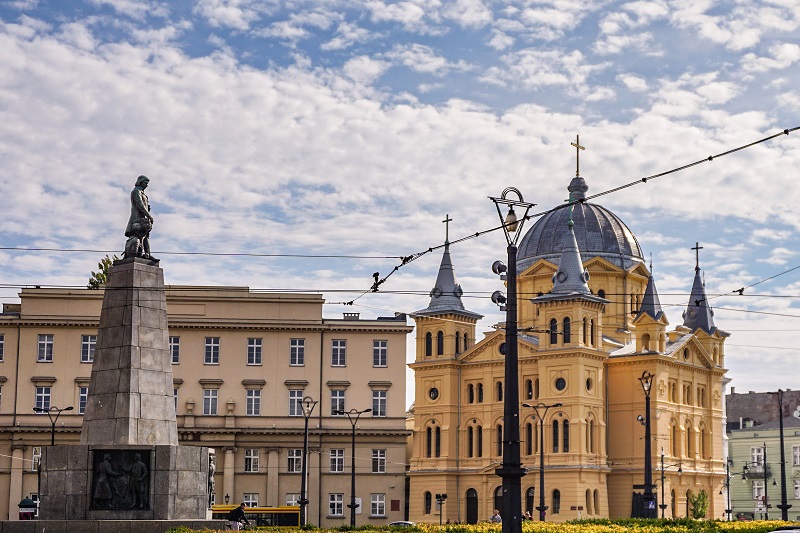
(470, 441)
(439, 343)
(480, 392)
(499, 440)
(466, 341)
(528, 439)
(591, 332)
(556, 501)
(428, 441)
(471, 393)
(555, 436)
(584, 340)
(479, 437)
(458, 343)
(646, 342)
(553, 331)
(528, 389)
(499, 387)
(428, 344)
(428, 503)
(565, 427)
(567, 335)
(536, 388)
(438, 447)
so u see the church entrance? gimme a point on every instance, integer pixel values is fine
(472, 506)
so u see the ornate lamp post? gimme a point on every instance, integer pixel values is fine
(511, 470)
(541, 412)
(663, 504)
(50, 411)
(728, 476)
(307, 405)
(440, 498)
(784, 505)
(353, 415)
(650, 508)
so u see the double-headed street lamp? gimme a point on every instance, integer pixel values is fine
(511, 470)
(663, 504)
(307, 405)
(541, 412)
(784, 505)
(649, 498)
(50, 411)
(440, 498)
(353, 415)
(728, 476)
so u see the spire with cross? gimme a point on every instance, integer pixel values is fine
(578, 148)
(697, 249)
(447, 220)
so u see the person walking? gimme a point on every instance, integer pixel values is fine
(236, 517)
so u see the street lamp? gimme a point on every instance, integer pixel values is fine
(50, 411)
(440, 498)
(784, 505)
(663, 504)
(353, 415)
(649, 499)
(511, 470)
(728, 476)
(541, 415)
(227, 499)
(307, 405)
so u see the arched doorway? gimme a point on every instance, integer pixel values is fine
(472, 506)
(498, 499)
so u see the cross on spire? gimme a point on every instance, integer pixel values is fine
(697, 249)
(578, 148)
(447, 220)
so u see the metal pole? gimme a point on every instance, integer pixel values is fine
(728, 511)
(541, 416)
(766, 498)
(663, 503)
(784, 505)
(648, 465)
(353, 474)
(303, 501)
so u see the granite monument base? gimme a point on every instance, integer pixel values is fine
(107, 526)
(93, 482)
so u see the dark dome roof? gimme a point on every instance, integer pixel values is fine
(599, 232)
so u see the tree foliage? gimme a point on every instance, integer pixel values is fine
(699, 504)
(101, 276)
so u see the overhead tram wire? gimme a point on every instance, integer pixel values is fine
(211, 254)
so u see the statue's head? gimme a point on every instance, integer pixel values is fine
(107, 457)
(137, 457)
(142, 180)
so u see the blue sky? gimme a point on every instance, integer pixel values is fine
(336, 127)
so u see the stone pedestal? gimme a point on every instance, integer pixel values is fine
(128, 465)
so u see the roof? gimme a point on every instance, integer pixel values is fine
(698, 313)
(446, 293)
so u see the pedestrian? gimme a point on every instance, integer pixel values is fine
(236, 517)
(496, 517)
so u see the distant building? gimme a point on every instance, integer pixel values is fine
(584, 345)
(751, 408)
(242, 362)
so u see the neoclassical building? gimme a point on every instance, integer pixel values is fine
(590, 325)
(242, 363)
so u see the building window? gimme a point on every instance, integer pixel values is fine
(428, 502)
(438, 443)
(377, 505)
(499, 440)
(83, 394)
(339, 352)
(378, 461)
(428, 441)
(555, 436)
(470, 442)
(2, 347)
(499, 396)
(337, 461)
(553, 331)
(480, 392)
(797, 489)
(175, 349)
(212, 351)
(428, 344)
(758, 489)
(295, 403)
(529, 389)
(253, 402)
(88, 344)
(565, 427)
(251, 460)
(250, 499)
(45, 349)
(292, 498)
(43, 398)
(336, 504)
(795, 455)
(556, 501)
(379, 403)
(210, 402)
(175, 396)
(254, 351)
(757, 456)
(337, 403)
(297, 352)
(379, 349)
(295, 457)
(439, 343)
(471, 393)
(36, 457)
(567, 330)
(479, 438)
(528, 439)
(458, 343)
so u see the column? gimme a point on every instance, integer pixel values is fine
(274, 498)
(15, 489)
(227, 476)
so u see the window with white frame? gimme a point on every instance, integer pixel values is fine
(377, 505)
(295, 458)
(379, 351)
(210, 402)
(42, 398)
(337, 403)
(758, 489)
(337, 460)
(88, 344)
(36, 457)
(338, 352)
(797, 489)
(295, 403)
(379, 403)
(2, 347)
(253, 402)
(757, 456)
(293, 499)
(175, 395)
(336, 504)
(175, 349)
(254, 351)
(45, 354)
(250, 499)
(297, 352)
(795, 455)
(378, 461)
(251, 460)
(83, 395)
(212, 351)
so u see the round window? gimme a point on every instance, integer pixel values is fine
(502, 348)
(433, 393)
(561, 384)
(589, 384)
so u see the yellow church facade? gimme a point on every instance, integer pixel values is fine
(590, 324)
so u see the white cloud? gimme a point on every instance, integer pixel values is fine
(718, 92)
(500, 40)
(364, 70)
(347, 34)
(468, 13)
(236, 14)
(421, 58)
(633, 83)
(136, 9)
(779, 256)
(790, 100)
(533, 69)
(783, 56)
(295, 28)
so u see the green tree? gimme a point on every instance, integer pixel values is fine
(699, 504)
(101, 276)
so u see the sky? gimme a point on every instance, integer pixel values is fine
(348, 129)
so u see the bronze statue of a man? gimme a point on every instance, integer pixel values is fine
(140, 222)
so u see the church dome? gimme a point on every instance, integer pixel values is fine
(598, 231)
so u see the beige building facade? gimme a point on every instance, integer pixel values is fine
(242, 363)
(584, 343)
